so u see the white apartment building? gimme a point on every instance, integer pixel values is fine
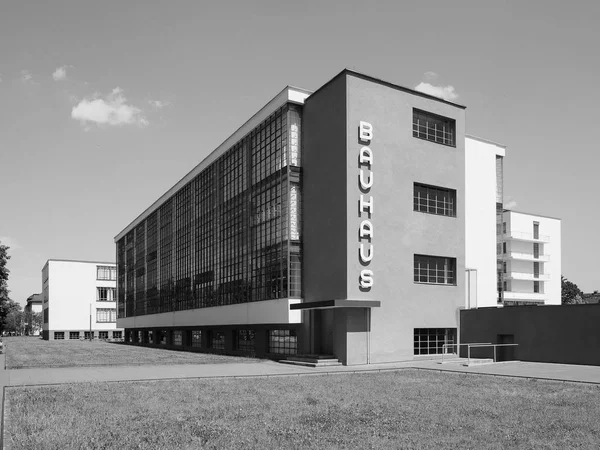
(529, 247)
(79, 300)
(511, 258)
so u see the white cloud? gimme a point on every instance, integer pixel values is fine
(445, 92)
(158, 104)
(26, 76)
(60, 73)
(11, 242)
(511, 204)
(111, 110)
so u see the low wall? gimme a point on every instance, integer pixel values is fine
(568, 334)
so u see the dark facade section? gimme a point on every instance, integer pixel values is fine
(231, 235)
(564, 334)
(325, 211)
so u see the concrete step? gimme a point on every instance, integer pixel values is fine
(478, 362)
(455, 360)
(312, 360)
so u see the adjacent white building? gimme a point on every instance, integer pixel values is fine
(79, 298)
(511, 258)
(530, 249)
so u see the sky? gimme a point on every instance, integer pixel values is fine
(106, 105)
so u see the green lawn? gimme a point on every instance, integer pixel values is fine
(28, 352)
(403, 409)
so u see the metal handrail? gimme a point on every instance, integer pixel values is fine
(458, 345)
(524, 235)
(485, 345)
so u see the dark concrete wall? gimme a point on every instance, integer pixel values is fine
(556, 334)
(324, 192)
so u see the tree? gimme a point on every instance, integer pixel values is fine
(13, 321)
(4, 272)
(570, 293)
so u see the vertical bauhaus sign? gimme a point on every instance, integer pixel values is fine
(365, 205)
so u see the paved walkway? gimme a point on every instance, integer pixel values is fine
(265, 368)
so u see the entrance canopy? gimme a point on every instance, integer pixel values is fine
(329, 304)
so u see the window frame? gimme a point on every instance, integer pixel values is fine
(451, 194)
(417, 270)
(434, 117)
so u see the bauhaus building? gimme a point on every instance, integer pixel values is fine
(332, 222)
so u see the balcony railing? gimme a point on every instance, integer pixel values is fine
(527, 276)
(526, 256)
(525, 296)
(522, 236)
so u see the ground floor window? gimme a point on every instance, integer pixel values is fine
(73, 334)
(162, 337)
(116, 334)
(284, 342)
(140, 336)
(59, 335)
(430, 341)
(149, 337)
(88, 334)
(129, 336)
(246, 340)
(217, 340)
(102, 334)
(197, 338)
(178, 337)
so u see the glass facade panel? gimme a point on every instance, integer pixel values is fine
(284, 342)
(434, 128)
(230, 235)
(246, 340)
(435, 269)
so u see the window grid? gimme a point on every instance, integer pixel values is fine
(434, 128)
(217, 340)
(223, 238)
(106, 273)
(88, 335)
(59, 335)
(197, 338)
(434, 200)
(104, 294)
(106, 315)
(117, 335)
(283, 342)
(102, 334)
(73, 334)
(434, 270)
(246, 340)
(430, 341)
(178, 338)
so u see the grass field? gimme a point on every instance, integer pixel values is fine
(29, 352)
(404, 409)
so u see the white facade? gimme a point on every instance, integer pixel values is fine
(77, 296)
(483, 186)
(531, 255)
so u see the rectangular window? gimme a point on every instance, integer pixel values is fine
(197, 338)
(73, 334)
(284, 342)
(536, 287)
(504, 266)
(246, 340)
(102, 334)
(161, 337)
(117, 335)
(178, 337)
(46, 314)
(435, 270)
(59, 335)
(504, 227)
(88, 335)
(106, 273)
(536, 230)
(434, 341)
(434, 200)
(104, 294)
(432, 127)
(217, 340)
(105, 315)
(504, 247)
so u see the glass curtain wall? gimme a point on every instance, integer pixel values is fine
(231, 235)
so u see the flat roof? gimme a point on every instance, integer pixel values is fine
(530, 214)
(80, 261)
(289, 94)
(391, 85)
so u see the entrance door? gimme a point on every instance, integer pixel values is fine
(505, 353)
(323, 332)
